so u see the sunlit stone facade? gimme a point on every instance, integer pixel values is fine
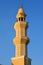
(21, 40)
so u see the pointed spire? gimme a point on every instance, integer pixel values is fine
(21, 6)
(21, 12)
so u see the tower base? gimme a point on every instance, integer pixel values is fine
(21, 61)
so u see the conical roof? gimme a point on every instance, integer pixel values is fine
(21, 13)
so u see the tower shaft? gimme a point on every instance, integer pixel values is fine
(21, 40)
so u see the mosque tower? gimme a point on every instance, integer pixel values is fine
(21, 40)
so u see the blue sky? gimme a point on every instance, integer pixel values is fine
(34, 11)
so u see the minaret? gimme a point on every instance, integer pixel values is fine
(21, 40)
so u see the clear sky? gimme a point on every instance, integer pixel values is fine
(34, 11)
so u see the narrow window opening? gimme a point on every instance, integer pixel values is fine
(19, 19)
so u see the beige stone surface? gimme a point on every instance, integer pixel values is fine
(20, 13)
(21, 61)
(21, 40)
